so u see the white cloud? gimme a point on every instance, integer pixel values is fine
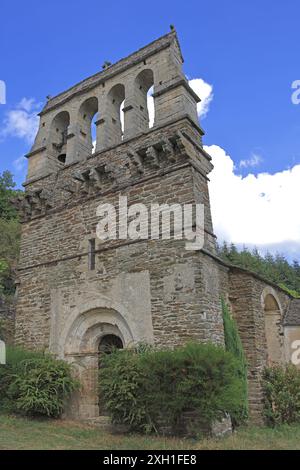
(27, 104)
(205, 92)
(150, 104)
(22, 121)
(20, 163)
(255, 209)
(253, 161)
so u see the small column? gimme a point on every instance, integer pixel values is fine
(130, 118)
(72, 148)
(136, 117)
(109, 130)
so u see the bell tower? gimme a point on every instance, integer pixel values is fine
(75, 289)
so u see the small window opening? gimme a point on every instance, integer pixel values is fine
(62, 158)
(59, 135)
(92, 254)
(108, 344)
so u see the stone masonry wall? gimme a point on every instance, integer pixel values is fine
(152, 290)
(54, 252)
(246, 295)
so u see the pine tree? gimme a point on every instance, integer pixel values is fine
(273, 268)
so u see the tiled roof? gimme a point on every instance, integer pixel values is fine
(292, 317)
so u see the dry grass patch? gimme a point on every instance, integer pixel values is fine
(22, 433)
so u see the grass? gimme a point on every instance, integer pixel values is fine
(20, 433)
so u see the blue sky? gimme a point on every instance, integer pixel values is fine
(247, 51)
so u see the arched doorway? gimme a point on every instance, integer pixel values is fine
(91, 334)
(273, 329)
(108, 343)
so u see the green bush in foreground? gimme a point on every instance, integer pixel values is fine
(281, 385)
(145, 388)
(34, 383)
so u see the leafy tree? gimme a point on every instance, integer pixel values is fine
(9, 234)
(7, 191)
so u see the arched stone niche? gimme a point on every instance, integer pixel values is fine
(273, 326)
(81, 349)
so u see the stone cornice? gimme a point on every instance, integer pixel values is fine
(35, 180)
(130, 141)
(34, 152)
(112, 190)
(176, 84)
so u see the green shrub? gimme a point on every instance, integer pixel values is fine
(9, 248)
(121, 379)
(234, 345)
(291, 292)
(281, 387)
(34, 383)
(146, 388)
(2, 327)
(14, 363)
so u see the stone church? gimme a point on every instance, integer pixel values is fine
(75, 293)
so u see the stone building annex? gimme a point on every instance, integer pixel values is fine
(76, 294)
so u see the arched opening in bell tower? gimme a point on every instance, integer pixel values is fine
(88, 116)
(144, 102)
(59, 136)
